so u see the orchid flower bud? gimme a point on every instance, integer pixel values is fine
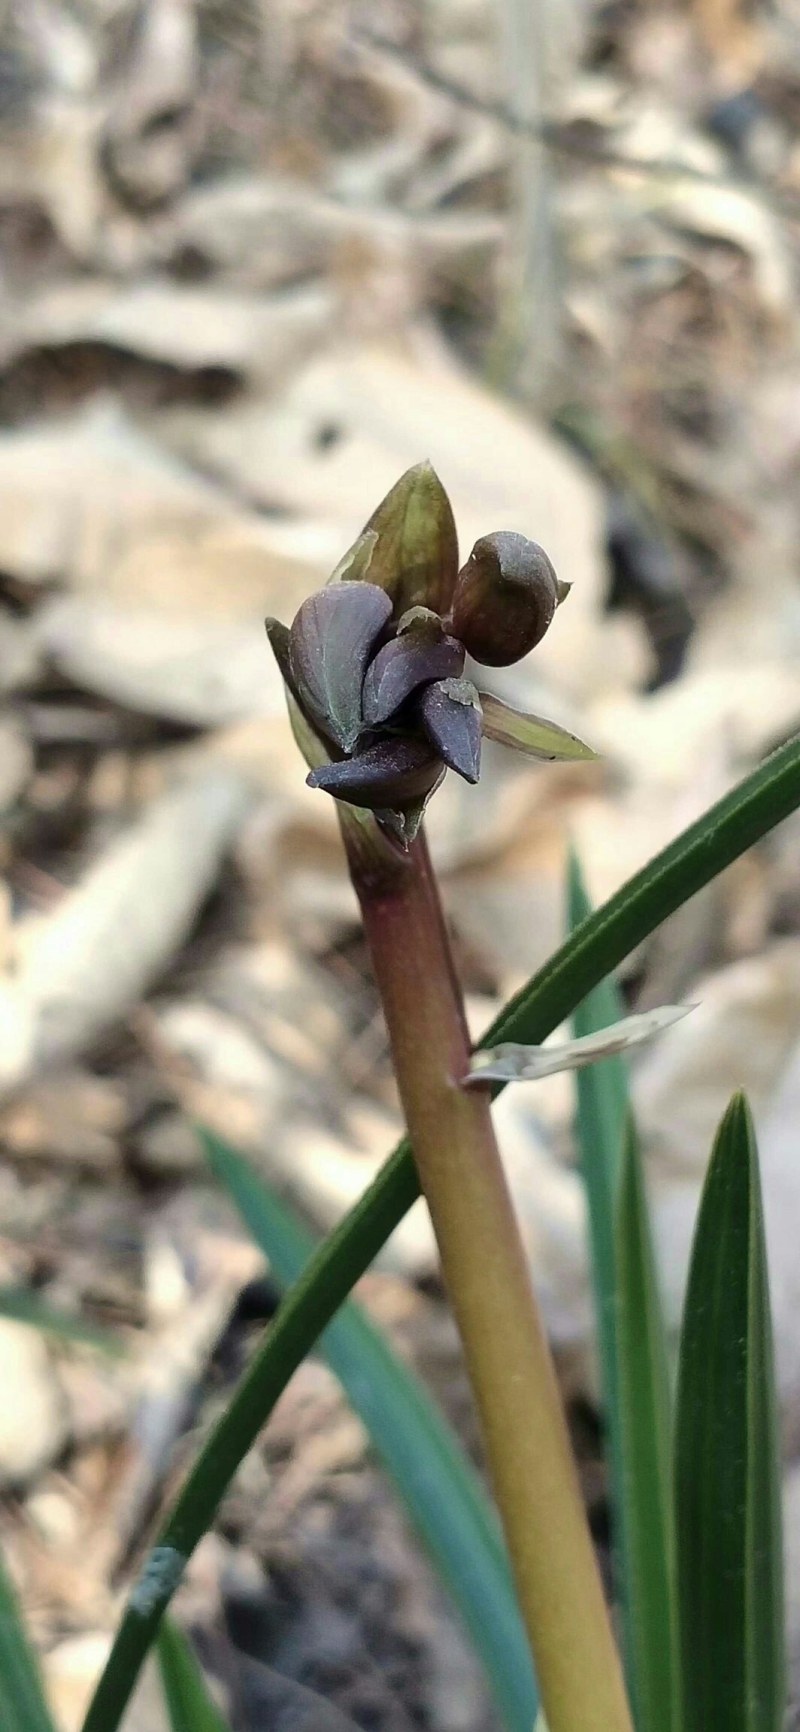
(374, 662)
(505, 598)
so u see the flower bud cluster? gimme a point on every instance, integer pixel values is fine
(375, 660)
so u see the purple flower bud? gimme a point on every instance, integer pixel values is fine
(505, 598)
(330, 643)
(394, 773)
(423, 653)
(450, 713)
(373, 663)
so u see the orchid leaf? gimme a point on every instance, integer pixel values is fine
(22, 1702)
(644, 1424)
(189, 1704)
(727, 1463)
(438, 1485)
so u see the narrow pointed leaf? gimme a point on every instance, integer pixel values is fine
(22, 1703)
(631, 1348)
(598, 944)
(437, 1483)
(404, 664)
(602, 1102)
(602, 1113)
(515, 1063)
(726, 1457)
(532, 735)
(450, 714)
(331, 640)
(190, 1706)
(416, 556)
(393, 773)
(645, 1429)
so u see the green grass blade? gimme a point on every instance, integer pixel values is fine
(602, 1096)
(633, 1358)
(438, 1485)
(726, 1457)
(22, 1305)
(596, 947)
(22, 1704)
(645, 1449)
(189, 1704)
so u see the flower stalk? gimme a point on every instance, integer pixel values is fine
(382, 708)
(488, 1282)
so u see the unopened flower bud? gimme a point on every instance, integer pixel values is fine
(505, 598)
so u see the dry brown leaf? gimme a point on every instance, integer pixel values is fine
(661, 738)
(93, 502)
(73, 492)
(88, 963)
(181, 325)
(263, 230)
(370, 411)
(16, 760)
(67, 1116)
(54, 166)
(200, 671)
(149, 128)
(745, 1022)
(741, 219)
(33, 1411)
(20, 661)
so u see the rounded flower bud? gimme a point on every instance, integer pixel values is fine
(505, 598)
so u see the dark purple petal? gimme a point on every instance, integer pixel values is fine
(392, 774)
(330, 644)
(416, 555)
(412, 660)
(451, 716)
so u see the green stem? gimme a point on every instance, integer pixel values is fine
(486, 1273)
